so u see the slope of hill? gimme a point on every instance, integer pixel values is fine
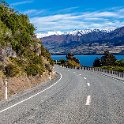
(86, 42)
(21, 54)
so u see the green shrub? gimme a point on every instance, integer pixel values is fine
(11, 70)
(51, 62)
(17, 31)
(33, 70)
(37, 60)
(114, 68)
(62, 61)
(48, 67)
(72, 63)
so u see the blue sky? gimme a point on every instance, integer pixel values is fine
(68, 15)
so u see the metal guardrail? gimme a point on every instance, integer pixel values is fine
(106, 71)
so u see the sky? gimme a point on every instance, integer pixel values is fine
(68, 15)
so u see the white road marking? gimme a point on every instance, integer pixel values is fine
(85, 78)
(88, 84)
(73, 72)
(79, 74)
(88, 101)
(68, 70)
(31, 96)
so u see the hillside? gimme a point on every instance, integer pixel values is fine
(86, 42)
(21, 54)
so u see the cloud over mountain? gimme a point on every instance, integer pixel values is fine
(111, 18)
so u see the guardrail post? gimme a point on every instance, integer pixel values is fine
(5, 89)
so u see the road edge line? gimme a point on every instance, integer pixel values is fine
(32, 95)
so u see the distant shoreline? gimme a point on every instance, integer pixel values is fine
(88, 54)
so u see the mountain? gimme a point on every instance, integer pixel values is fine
(94, 41)
(74, 32)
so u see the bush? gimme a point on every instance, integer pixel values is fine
(72, 63)
(108, 59)
(120, 63)
(17, 31)
(33, 70)
(62, 61)
(51, 62)
(97, 62)
(48, 67)
(37, 60)
(11, 70)
(114, 68)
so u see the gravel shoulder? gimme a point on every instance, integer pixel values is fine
(27, 93)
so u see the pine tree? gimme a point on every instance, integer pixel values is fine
(108, 59)
(97, 62)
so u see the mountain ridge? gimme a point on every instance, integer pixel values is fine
(92, 42)
(74, 32)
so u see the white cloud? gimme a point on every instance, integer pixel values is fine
(39, 35)
(22, 2)
(86, 20)
(33, 12)
(66, 10)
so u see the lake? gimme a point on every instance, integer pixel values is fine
(85, 60)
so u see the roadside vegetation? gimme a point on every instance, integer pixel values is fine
(109, 61)
(20, 51)
(24, 62)
(70, 61)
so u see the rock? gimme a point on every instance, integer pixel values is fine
(7, 52)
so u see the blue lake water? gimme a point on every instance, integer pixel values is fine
(86, 60)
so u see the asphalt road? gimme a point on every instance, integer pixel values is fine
(78, 97)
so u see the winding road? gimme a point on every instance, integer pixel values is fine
(77, 97)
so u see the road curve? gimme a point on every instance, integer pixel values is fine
(78, 97)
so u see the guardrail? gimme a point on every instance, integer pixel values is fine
(95, 69)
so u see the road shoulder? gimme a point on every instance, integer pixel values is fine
(26, 94)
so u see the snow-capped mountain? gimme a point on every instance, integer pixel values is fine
(74, 32)
(50, 33)
(85, 41)
(86, 31)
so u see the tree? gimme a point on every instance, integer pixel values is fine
(108, 59)
(72, 61)
(17, 32)
(76, 60)
(62, 61)
(97, 62)
(120, 63)
(69, 56)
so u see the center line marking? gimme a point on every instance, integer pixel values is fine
(88, 101)
(88, 84)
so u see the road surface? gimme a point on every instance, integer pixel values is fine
(78, 97)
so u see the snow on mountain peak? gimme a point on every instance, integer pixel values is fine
(74, 32)
(40, 35)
